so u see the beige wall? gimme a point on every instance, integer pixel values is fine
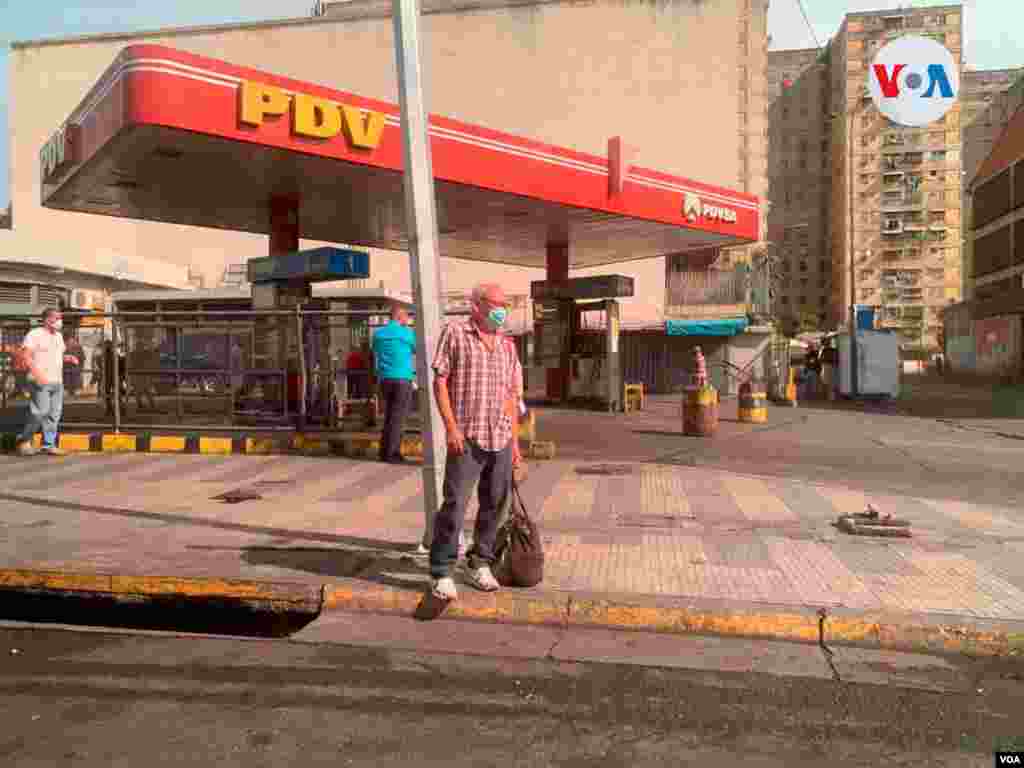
(663, 76)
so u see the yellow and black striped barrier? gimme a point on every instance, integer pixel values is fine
(700, 411)
(753, 403)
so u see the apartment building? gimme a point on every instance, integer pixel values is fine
(799, 150)
(905, 204)
(989, 99)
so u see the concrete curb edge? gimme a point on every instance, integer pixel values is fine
(894, 632)
(264, 595)
(357, 446)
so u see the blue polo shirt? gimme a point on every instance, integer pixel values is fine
(394, 350)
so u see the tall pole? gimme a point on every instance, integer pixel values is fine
(424, 258)
(853, 271)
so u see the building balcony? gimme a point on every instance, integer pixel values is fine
(908, 203)
(709, 293)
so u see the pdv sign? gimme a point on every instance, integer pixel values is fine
(914, 81)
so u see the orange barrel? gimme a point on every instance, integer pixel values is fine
(700, 411)
(753, 403)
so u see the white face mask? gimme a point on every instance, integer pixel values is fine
(58, 324)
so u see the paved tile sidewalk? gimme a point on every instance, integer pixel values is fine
(658, 531)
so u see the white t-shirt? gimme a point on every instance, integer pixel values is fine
(48, 352)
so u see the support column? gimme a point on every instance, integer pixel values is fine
(284, 226)
(557, 379)
(271, 345)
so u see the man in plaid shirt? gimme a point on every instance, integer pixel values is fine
(478, 385)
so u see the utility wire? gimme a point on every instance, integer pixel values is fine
(800, 4)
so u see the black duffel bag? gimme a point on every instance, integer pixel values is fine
(519, 553)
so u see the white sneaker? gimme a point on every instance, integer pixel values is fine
(482, 579)
(421, 550)
(444, 589)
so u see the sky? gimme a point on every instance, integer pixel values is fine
(989, 27)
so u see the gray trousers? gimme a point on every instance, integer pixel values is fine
(494, 469)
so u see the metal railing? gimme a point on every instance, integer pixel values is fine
(282, 391)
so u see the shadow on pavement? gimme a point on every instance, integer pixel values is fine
(216, 616)
(396, 569)
(284, 534)
(388, 563)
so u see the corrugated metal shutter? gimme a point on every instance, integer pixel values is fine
(15, 293)
(663, 364)
(50, 296)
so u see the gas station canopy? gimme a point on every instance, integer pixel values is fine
(169, 136)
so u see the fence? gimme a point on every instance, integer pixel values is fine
(201, 370)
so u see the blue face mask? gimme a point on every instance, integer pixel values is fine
(496, 317)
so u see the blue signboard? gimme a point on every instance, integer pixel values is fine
(717, 327)
(313, 265)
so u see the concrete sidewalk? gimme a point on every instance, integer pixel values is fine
(658, 547)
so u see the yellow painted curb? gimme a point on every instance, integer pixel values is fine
(260, 446)
(412, 446)
(166, 444)
(118, 443)
(526, 607)
(75, 443)
(215, 446)
(316, 447)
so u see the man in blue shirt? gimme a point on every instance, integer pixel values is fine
(394, 348)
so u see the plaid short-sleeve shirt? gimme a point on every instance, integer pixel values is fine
(480, 382)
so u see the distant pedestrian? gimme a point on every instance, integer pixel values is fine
(73, 371)
(812, 372)
(394, 350)
(478, 386)
(108, 376)
(45, 347)
(357, 367)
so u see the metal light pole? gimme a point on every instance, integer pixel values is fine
(424, 256)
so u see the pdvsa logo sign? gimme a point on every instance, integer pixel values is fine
(914, 81)
(694, 208)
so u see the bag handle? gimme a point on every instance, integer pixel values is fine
(518, 497)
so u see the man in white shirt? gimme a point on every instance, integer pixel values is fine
(46, 381)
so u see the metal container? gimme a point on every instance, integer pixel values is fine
(753, 403)
(700, 411)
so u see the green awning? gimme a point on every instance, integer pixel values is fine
(729, 327)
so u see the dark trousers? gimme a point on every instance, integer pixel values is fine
(397, 402)
(494, 469)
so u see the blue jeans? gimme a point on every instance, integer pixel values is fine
(494, 470)
(44, 413)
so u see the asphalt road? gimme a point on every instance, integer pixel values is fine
(862, 448)
(103, 700)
